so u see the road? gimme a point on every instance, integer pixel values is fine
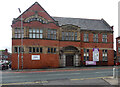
(55, 75)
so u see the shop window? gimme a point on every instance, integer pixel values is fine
(86, 54)
(104, 52)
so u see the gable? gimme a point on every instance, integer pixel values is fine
(36, 13)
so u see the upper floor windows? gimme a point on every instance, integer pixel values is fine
(19, 33)
(52, 34)
(69, 35)
(104, 38)
(86, 39)
(95, 37)
(35, 33)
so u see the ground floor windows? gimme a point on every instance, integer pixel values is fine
(104, 53)
(51, 50)
(86, 54)
(35, 49)
(18, 49)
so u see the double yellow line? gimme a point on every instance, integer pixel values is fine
(91, 78)
(38, 82)
(24, 83)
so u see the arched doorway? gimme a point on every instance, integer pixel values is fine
(69, 56)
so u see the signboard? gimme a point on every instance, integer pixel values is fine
(95, 54)
(90, 63)
(35, 57)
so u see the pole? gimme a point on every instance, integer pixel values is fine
(18, 58)
(114, 72)
(22, 34)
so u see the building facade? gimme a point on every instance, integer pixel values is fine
(59, 41)
(118, 49)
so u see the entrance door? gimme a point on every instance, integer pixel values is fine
(69, 60)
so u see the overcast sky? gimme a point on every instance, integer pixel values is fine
(91, 9)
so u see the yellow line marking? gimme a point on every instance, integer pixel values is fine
(90, 78)
(24, 83)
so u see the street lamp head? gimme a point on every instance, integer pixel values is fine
(19, 10)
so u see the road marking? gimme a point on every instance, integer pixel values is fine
(91, 78)
(20, 83)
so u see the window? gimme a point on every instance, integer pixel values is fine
(86, 54)
(104, 52)
(15, 49)
(21, 49)
(104, 38)
(119, 49)
(35, 49)
(86, 38)
(40, 49)
(95, 37)
(75, 35)
(69, 35)
(30, 49)
(18, 33)
(35, 33)
(52, 34)
(51, 50)
(118, 41)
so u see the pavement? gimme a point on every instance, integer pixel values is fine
(107, 80)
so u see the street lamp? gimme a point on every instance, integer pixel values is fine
(22, 34)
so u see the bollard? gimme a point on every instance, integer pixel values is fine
(114, 73)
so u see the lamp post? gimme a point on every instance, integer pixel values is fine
(18, 58)
(22, 34)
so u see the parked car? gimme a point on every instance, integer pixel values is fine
(3, 66)
(117, 63)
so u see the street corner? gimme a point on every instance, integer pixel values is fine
(111, 80)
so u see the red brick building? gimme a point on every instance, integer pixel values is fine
(59, 41)
(5, 55)
(118, 49)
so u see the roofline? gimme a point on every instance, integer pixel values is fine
(76, 18)
(33, 5)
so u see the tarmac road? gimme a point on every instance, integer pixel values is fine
(78, 76)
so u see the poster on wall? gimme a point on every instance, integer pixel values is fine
(35, 57)
(95, 54)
